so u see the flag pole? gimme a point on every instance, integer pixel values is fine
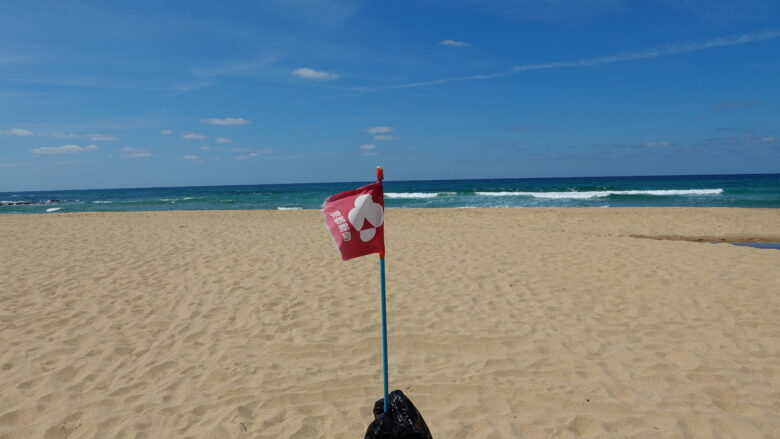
(380, 175)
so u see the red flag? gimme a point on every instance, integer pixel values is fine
(356, 220)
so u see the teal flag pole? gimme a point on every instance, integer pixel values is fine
(381, 176)
(384, 324)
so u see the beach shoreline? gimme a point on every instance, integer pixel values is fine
(526, 322)
(749, 191)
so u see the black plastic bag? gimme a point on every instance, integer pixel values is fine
(402, 420)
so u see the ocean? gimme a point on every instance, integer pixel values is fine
(685, 190)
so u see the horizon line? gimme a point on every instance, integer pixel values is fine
(394, 181)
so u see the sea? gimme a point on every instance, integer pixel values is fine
(751, 191)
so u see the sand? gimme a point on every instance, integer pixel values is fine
(504, 323)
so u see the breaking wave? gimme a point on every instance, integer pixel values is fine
(602, 194)
(27, 203)
(410, 195)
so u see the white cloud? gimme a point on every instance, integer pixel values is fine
(13, 165)
(223, 140)
(379, 130)
(62, 135)
(314, 75)
(204, 148)
(384, 137)
(453, 43)
(165, 132)
(253, 154)
(193, 136)
(228, 121)
(17, 132)
(134, 152)
(656, 144)
(367, 149)
(93, 137)
(656, 52)
(99, 137)
(66, 149)
(189, 157)
(240, 149)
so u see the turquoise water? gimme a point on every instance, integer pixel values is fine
(699, 190)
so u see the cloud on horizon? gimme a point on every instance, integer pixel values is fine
(65, 149)
(746, 140)
(17, 132)
(254, 154)
(228, 121)
(64, 135)
(193, 136)
(13, 165)
(713, 146)
(134, 152)
(95, 137)
(100, 137)
(379, 130)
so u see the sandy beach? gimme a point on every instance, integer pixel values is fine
(503, 323)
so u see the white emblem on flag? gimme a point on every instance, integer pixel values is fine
(366, 211)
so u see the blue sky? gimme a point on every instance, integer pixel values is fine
(122, 94)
